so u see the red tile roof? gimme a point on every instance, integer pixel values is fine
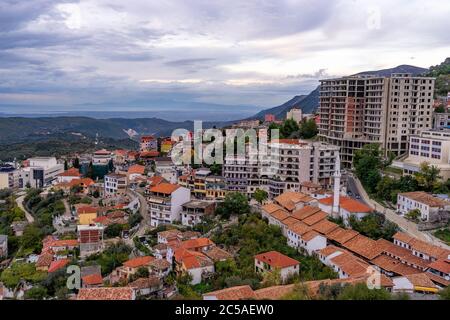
(441, 265)
(138, 262)
(341, 235)
(233, 293)
(324, 226)
(166, 188)
(363, 246)
(110, 293)
(58, 264)
(63, 243)
(93, 279)
(138, 169)
(349, 204)
(87, 209)
(72, 172)
(276, 259)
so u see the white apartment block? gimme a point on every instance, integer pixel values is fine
(426, 203)
(358, 110)
(431, 146)
(165, 203)
(295, 114)
(101, 157)
(41, 172)
(9, 177)
(291, 162)
(115, 184)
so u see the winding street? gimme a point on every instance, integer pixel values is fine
(28, 215)
(405, 225)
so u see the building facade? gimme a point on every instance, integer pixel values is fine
(358, 110)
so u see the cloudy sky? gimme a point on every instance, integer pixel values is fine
(170, 55)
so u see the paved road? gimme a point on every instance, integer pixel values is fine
(28, 215)
(145, 223)
(404, 224)
(351, 186)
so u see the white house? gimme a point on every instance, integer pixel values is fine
(69, 175)
(346, 207)
(426, 203)
(115, 184)
(274, 260)
(165, 203)
(410, 283)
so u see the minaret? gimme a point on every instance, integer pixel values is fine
(337, 186)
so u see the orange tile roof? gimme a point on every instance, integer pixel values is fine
(274, 292)
(93, 279)
(149, 154)
(401, 253)
(138, 262)
(341, 235)
(289, 199)
(305, 212)
(324, 226)
(350, 264)
(421, 280)
(196, 260)
(299, 228)
(196, 243)
(280, 215)
(271, 207)
(87, 210)
(363, 246)
(425, 198)
(329, 250)
(166, 188)
(316, 217)
(290, 221)
(441, 265)
(393, 265)
(136, 169)
(310, 235)
(233, 293)
(57, 264)
(144, 283)
(276, 259)
(45, 259)
(155, 180)
(422, 246)
(72, 172)
(110, 293)
(349, 204)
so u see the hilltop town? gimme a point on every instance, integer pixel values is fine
(357, 208)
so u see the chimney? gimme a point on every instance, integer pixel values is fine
(337, 186)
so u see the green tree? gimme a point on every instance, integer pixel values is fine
(289, 127)
(360, 291)
(413, 215)
(439, 109)
(444, 294)
(235, 203)
(31, 239)
(113, 230)
(428, 176)
(36, 293)
(90, 171)
(260, 195)
(21, 271)
(299, 292)
(368, 162)
(308, 129)
(76, 163)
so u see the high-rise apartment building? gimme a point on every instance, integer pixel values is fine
(291, 162)
(358, 110)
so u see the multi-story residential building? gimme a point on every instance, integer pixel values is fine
(291, 162)
(432, 147)
(215, 187)
(165, 203)
(269, 118)
(69, 175)
(90, 238)
(9, 177)
(358, 110)
(427, 204)
(101, 157)
(441, 120)
(295, 114)
(194, 212)
(148, 143)
(196, 182)
(115, 184)
(40, 172)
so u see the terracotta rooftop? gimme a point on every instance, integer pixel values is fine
(324, 226)
(341, 235)
(363, 246)
(329, 250)
(289, 199)
(305, 212)
(233, 293)
(57, 264)
(280, 215)
(276, 259)
(441, 265)
(421, 280)
(393, 265)
(422, 246)
(144, 283)
(72, 172)
(166, 188)
(349, 204)
(425, 198)
(350, 264)
(316, 217)
(138, 262)
(271, 207)
(310, 235)
(93, 279)
(86, 210)
(136, 169)
(299, 228)
(218, 254)
(110, 293)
